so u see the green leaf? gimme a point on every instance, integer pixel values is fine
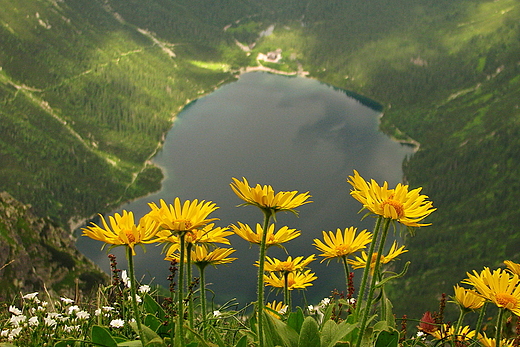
(242, 342)
(152, 322)
(387, 339)
(332, 333)
(310, 334)
(328, 313)
(295, 320)
(101, 336)
(149, 335)
(219, 340)
(133, 343)
(330, 328)
(277, 333)
(151, 306)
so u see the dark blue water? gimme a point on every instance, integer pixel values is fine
(291, 133)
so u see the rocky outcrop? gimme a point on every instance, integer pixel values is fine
(36, 255)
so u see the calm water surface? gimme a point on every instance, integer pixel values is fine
(291, 133)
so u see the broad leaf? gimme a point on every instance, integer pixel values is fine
(387, 339)
(309, 334)
(101, 336)
(331, 335)
(295, 320)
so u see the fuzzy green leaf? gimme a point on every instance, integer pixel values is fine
(101, 336)
(310, 334)
(387, 339)
(295, 320)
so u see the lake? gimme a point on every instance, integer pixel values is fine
(291, 133)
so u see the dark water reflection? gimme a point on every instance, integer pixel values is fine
(291, 133)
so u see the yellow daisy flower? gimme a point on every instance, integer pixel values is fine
(463, 334)
(276, 309)
(201, 256)
(491, 342)
(512, 267)
(123, 230)
(342, 244)
(264, 197)
(183, 218)
(467, 299)
(406, 207)
(295, 280)
(289, 265)
(394, 252)
(498, 286)
(283, 234)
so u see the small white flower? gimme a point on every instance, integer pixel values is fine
(311, 308)
(283, 310)
(14, 310)
(144, 289)
(62, 318)
(97, 312)
(49, 321)
(325, 302)
(137, 298)
(4, 333)
(217, 313)
(352, 301)
(44, 303)
(17, 320)
(117, 323)
(33, 321)
(125, 278)
(421, 334)
(14, 333)
(74, 308)
(83, 315)
(108, 308)
(67, 300)
(30, 296)
(72, 328)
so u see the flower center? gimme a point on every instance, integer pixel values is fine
(343, 250)
(396, 205)
(130, 236)
(506, 300)
(285, 266)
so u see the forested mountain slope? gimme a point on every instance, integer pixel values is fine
(88, 89)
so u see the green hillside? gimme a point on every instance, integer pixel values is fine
(88, 89)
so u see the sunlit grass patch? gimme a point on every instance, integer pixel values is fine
(214, 66)
(483, 19)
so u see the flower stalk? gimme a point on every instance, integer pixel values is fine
(375, 276)
(261, 265)
(133, 293)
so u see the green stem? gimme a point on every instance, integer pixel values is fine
(189, 276)
(347, 273)
(375, 276)
(481, 316)
(498, 334)
(366, 271)
(286, 293)
(180, 294)
(260, 287)
(458, 325)
(133, 293)
(203, 298)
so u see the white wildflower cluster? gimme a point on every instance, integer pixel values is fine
(38, 318)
